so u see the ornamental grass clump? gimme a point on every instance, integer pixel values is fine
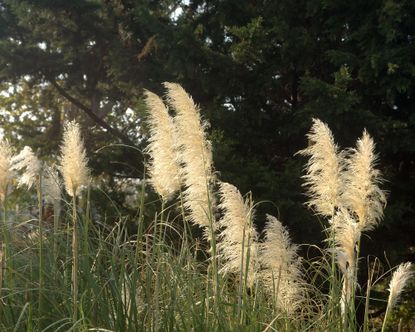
(76, 174)
(281, 267)
(164, 171)
(237, 240)
(344, 186)
(195, 157)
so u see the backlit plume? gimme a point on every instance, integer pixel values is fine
(51, 185)
(73, 160)
(362, 194)
(195, 156)
(164, 169)
(323, 179)
(346, 237)
(31, 166)
(400, 279)
(6, 172)
(281, 267)
(238, 237)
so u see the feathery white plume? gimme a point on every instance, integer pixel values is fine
(51, 185)
(238, 237)
(347, 234)
(281, 266)
(362, 194)
(398, 282)
(195, 155)
(6, 172)
(323, 179)
(164, 169)
(73, 160)
(31, 166)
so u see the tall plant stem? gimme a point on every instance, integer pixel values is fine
(40, 207)
(385, 320)
(56, 215)
(74, 259)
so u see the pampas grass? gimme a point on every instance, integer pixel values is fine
(160, 278)
(6, 172)
(164, 171)
(195, 155)
(73, 160)
(237, 244)
(398, 282)
(75, 174)
(346, 238)
(31, 166)
(281, 267)
(362, 194)
(324, 170)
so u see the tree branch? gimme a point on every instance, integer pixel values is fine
(125, 139)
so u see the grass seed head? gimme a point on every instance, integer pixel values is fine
(195, 156)
(164, 169)
(324, 168)
(400, 279)
(238, 236)
(73, 160)
(362, 194)
(31, 166)
(6, 172)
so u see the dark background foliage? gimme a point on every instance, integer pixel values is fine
(260, 70)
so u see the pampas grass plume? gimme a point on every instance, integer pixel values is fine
(195, 156)
(6, 172)
(347, 234)
(323, 179)
(27, 161)
(398, 282)
(51, 185)
(73, 160)
(164, 169)
(362, 194)
(237, 235)
(281, 268)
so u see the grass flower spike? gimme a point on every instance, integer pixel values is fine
(73, 159)
(347, 234)
(400, 279)
(323, 178)
(27, 161)
(398, 282)
(237, 246)
(281, 267)
(51, 185)
(6, 172)
(164, 169)
(195, 155)
(362, 194)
